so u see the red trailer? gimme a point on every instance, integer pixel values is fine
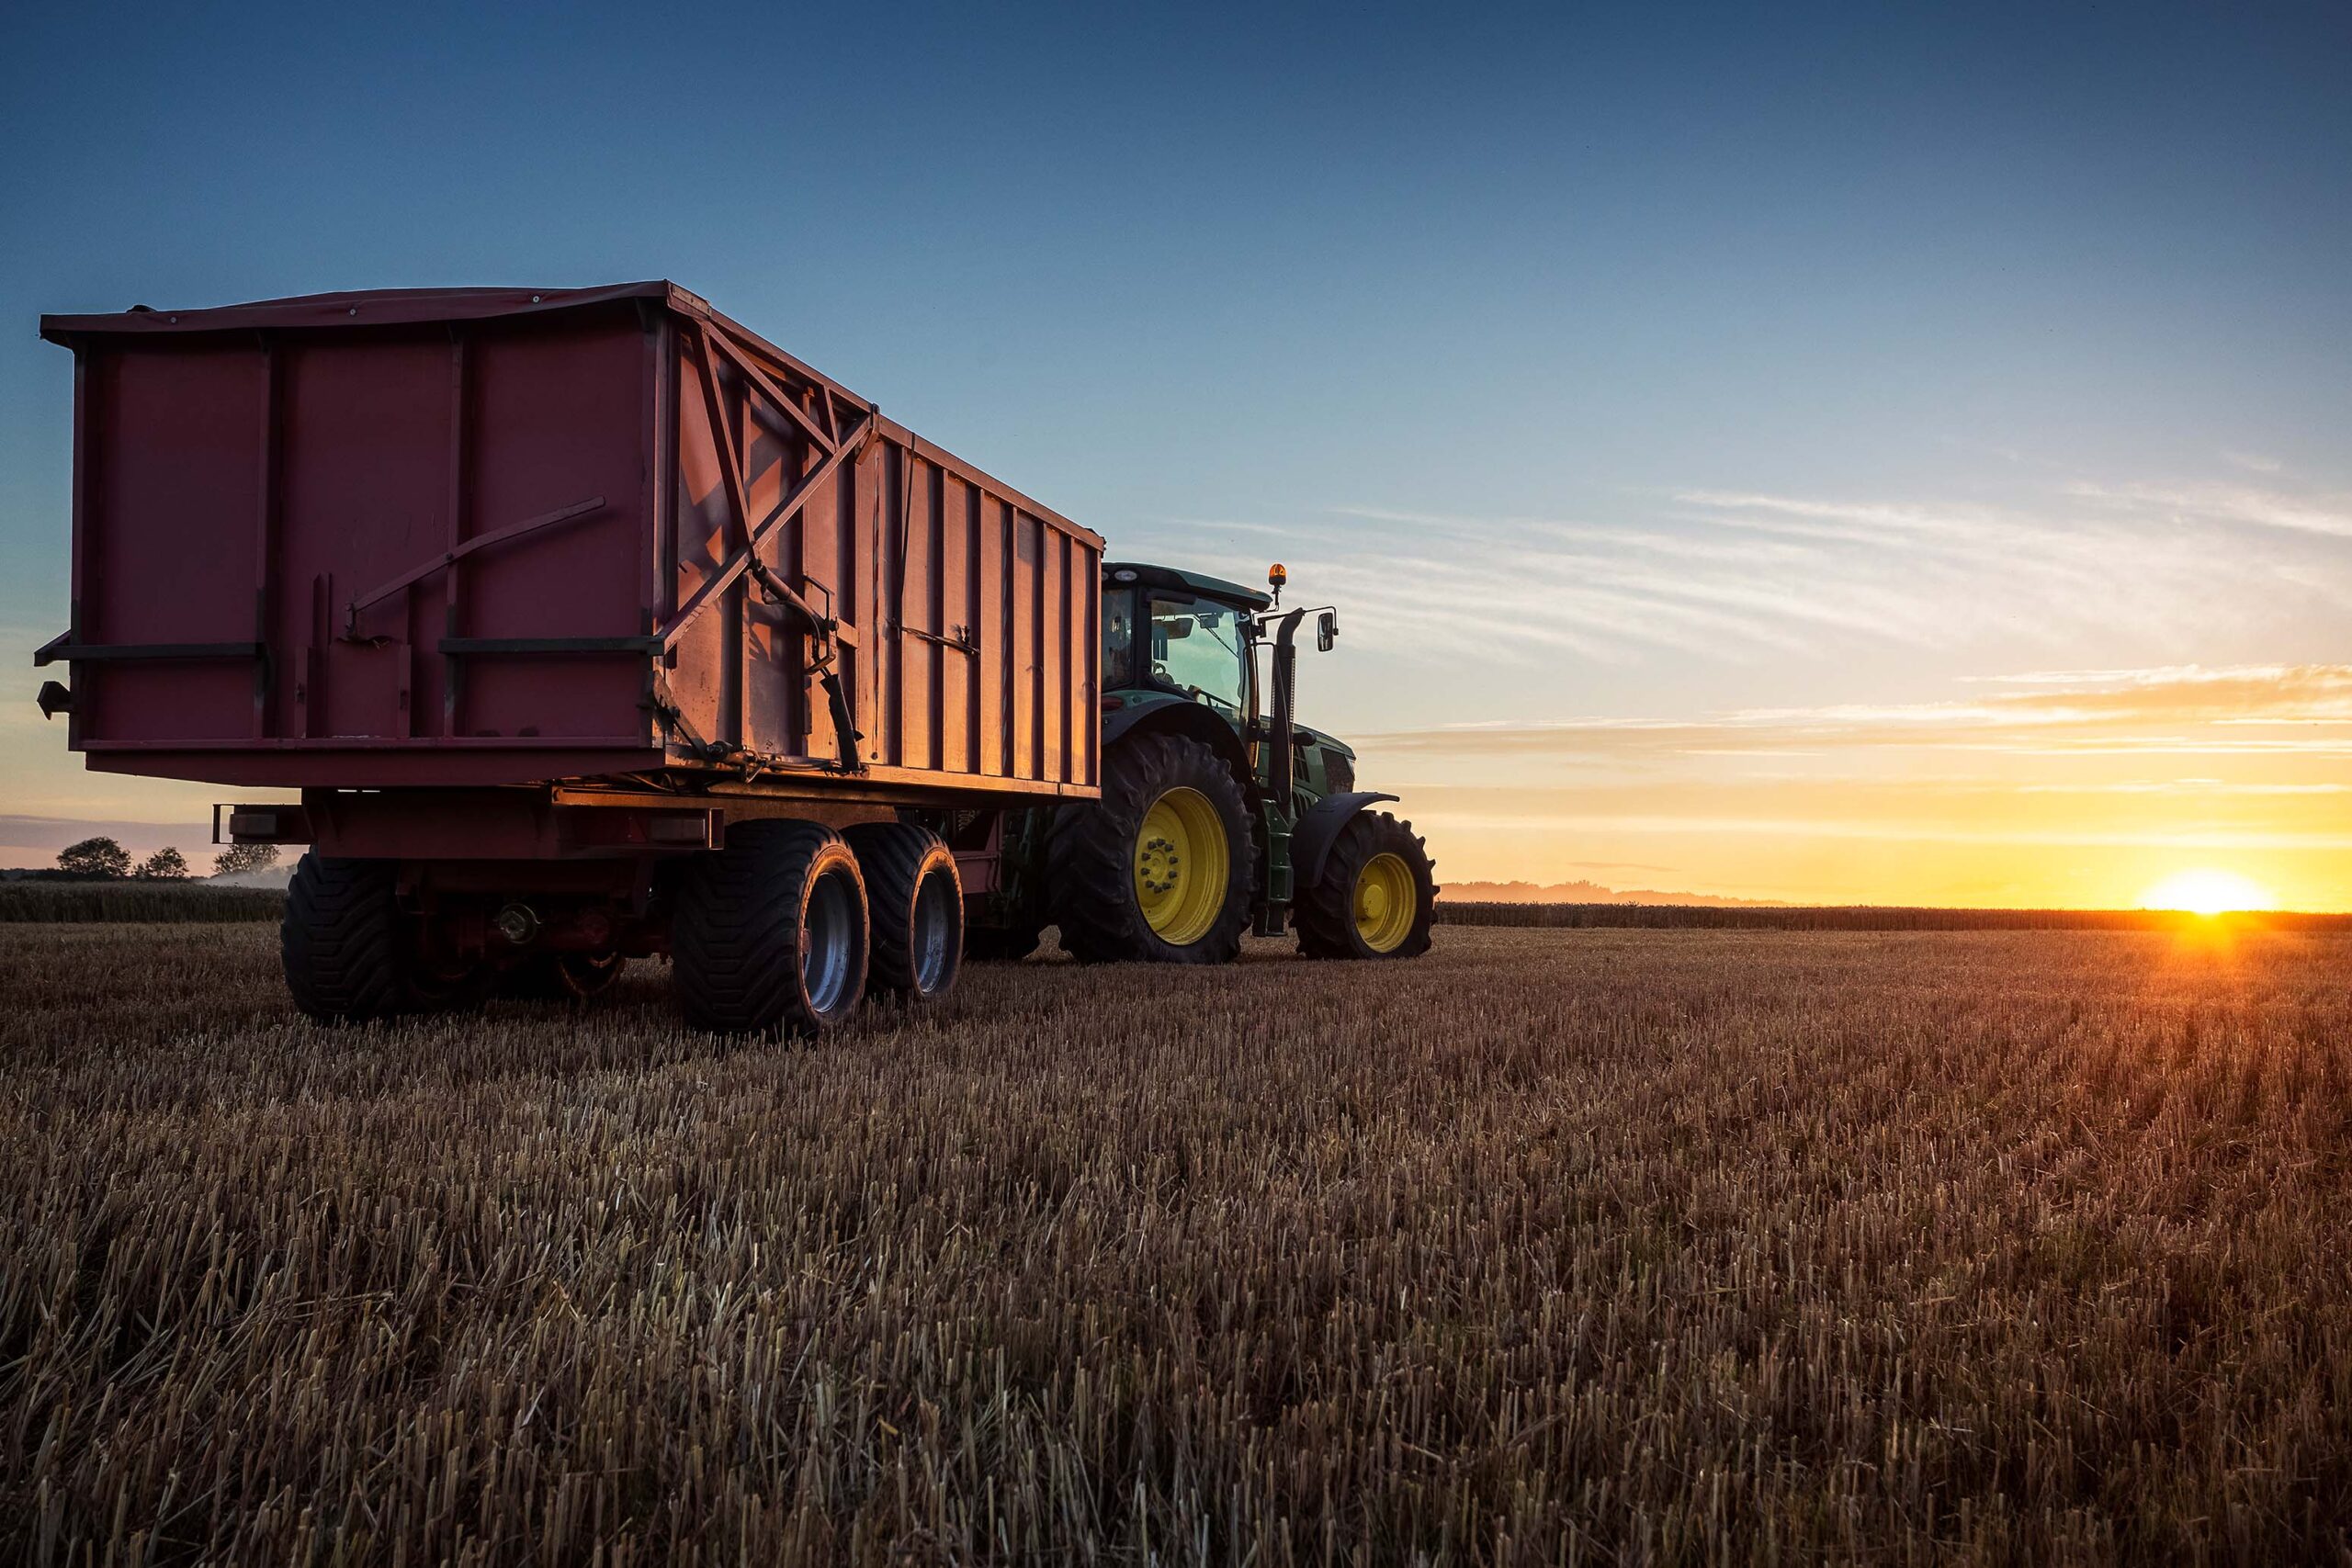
(588, 624)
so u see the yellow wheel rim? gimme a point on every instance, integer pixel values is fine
(1386, 901)
(1182, 867)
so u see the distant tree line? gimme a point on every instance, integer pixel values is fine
(102, 859)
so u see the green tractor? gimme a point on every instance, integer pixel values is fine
(1220, 813)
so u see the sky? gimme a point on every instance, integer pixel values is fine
(1863, 454)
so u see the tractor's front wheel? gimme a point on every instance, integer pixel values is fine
(1160, 868)
(1378, 897)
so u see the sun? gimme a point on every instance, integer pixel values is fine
(2208, 891)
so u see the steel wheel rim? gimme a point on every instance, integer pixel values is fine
(1384, 902)
(1183, 865)
(829, 939)
(937, 934)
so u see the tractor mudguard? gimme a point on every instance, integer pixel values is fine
(1310, 841)
(1179, 716)
(1134, 708)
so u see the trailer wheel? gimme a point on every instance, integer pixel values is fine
(769, 934)
(340, 940)
(561, 976)
(1001, 944)
(1377, 898)
(1162, 867)
(918, 903)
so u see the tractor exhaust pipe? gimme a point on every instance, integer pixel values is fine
(1281, 729)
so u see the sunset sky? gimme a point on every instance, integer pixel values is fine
(1822, 455)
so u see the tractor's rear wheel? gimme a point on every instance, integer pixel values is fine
(1378, 897)
(769, 934)
(918, 903)
(1161, 868)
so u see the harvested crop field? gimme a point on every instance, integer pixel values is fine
(1600, 1246)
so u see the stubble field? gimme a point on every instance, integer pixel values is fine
(1597, 1245)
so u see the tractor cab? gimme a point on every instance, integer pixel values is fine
(1170, 635)
(1180, 634)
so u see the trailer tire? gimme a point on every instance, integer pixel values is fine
(1001, 944)
(340, 940)
(1377, 898)
(561, 976)
(917, 899)
(769, 934)
(1095, 864)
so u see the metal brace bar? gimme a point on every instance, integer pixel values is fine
(477, 646)
(737, 565)
(961, 642)
(451, 557)
(61, 648)
(818, 629)
(723, 439)
(717, 343)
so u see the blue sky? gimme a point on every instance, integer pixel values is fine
(1611, 369)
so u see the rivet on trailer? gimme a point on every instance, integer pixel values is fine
(590, 626)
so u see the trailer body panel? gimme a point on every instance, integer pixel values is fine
(457, 539)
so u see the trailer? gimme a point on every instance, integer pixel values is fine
(580, 626)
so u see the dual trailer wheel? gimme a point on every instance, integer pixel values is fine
(784, 931)
(789, 926)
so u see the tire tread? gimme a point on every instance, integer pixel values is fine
(735, 938)
(1325, 916)
(894, 858)
(1091, 856)
(340, 940)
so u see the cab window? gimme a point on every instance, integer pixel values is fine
(1118, 639)
(1198, 650)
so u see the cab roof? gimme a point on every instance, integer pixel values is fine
(1115, 573)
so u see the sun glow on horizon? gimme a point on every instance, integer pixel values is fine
(2207, 891)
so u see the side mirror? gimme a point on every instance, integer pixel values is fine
(1326, 630)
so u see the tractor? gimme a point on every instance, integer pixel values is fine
(1220, 815)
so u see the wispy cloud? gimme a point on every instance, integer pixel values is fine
(2176, 710)
(2188, 788)
(1716, 573)
(2328, 515)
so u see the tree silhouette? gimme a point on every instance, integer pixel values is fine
(166, 864)
(239, 858)
(93, 857)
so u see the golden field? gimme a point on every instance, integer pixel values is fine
(1560, 1245)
